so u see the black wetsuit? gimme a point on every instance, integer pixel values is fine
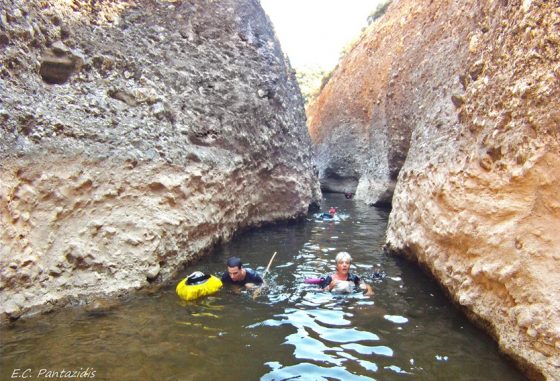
(250, 277)
(351, 277)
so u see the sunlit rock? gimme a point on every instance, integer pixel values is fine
(136, 135)
(359, 130)
(467, 93)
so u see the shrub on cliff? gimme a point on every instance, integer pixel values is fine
(379, 11)
(310, 80)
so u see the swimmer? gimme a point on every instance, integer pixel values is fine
(378, 272)
(239, 275)
(342, 281)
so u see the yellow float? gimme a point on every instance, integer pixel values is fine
(198, 285)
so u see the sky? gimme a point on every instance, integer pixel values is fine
(314, 32)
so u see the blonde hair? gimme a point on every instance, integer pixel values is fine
(343, 256)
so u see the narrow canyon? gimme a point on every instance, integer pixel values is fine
(137, 135)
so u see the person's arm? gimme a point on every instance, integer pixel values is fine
(225, 277)
(367, 289)
(332, 285)
(257, 278)
(253, 279)
(328, 283)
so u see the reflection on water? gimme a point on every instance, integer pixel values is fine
(407, 331)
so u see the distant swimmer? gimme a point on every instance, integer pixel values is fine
(342, 281)
(348, 195)
(328, 216)
(239, 275)
(377, 272)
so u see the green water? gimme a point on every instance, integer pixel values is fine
(407, 331)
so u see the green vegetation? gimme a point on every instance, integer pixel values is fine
(379, 11)
(310, 80)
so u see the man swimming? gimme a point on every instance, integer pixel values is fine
(238, 275)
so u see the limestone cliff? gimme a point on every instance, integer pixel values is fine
(473, 89)
(134, 135)
(360, 137)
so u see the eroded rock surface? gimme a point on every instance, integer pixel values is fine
(360, 135)
(474, 88)
(134, 136)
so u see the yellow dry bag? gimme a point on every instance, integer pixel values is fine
(197, 285)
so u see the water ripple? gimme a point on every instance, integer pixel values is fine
(308, 371)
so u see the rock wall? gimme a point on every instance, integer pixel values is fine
(474, 86)
(135, 135)
(360, 137)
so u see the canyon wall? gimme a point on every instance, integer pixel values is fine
(360, 136)
(134, 136)
(468, 95)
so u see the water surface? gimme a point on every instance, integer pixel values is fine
(407, 331)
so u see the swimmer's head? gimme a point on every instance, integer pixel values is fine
(343, 256)
(234, 262)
